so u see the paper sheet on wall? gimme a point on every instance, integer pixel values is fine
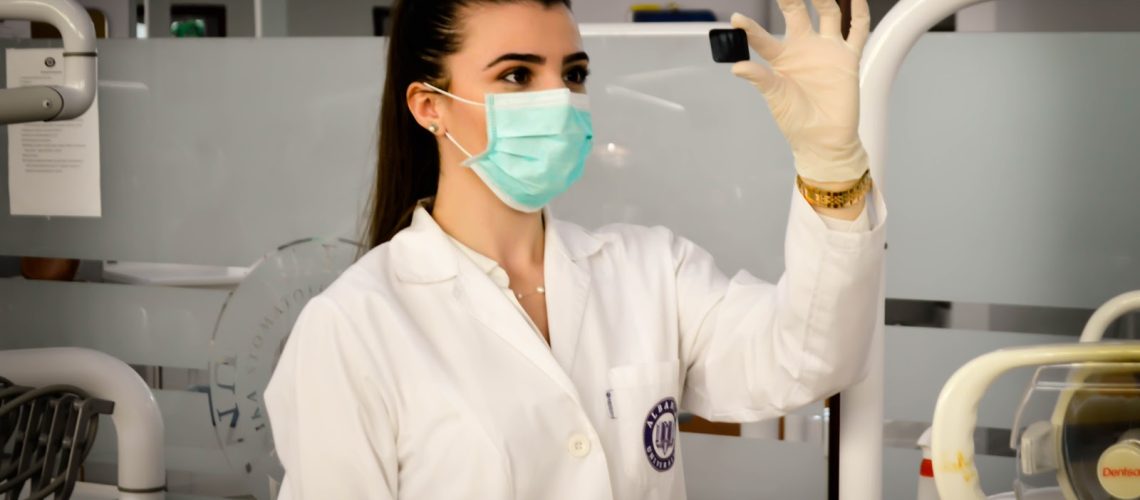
(53, 167)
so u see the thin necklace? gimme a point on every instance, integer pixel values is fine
(539, 290)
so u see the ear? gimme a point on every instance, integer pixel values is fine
(422, 102)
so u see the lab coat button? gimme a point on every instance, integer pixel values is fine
(579, 446)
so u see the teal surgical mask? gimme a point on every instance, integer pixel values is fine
(537, 143)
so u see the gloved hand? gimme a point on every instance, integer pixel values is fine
(812, 86)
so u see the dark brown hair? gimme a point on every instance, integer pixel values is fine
(424, 32)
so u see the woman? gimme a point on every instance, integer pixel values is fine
(482, 349)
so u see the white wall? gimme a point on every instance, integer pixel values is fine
(354, 17)
(332, 17)
(616, 11)
(1052, 15)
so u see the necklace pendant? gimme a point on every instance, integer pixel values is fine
(540, 290)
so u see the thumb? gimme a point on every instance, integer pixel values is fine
(759, 75)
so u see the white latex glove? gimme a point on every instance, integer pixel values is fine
(812, 86)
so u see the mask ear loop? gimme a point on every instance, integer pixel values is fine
(449, 94)
(456, 143)
(460, 99)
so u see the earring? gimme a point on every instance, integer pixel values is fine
(433, 128)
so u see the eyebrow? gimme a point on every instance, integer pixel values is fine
(537, 59)
(575, 57)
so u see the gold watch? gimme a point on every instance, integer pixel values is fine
(821, 198)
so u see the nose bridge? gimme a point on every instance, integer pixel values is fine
(549, 77)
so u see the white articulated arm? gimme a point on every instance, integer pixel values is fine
(54, 102)
(138, 421)
(1111, 311)
(861, 438)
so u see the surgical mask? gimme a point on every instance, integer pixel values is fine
(537, 143)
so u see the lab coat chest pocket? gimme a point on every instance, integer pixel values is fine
(643, 403)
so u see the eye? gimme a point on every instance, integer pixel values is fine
(518, 76)
(577, 75)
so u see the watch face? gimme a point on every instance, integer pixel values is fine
(251, 331)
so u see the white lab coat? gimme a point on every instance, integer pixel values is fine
(414, 377)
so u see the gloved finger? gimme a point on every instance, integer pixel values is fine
(830, 18)
(758, 38)
(759, 75)
(860, 26)
(796, 17)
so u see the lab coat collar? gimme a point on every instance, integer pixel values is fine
(575, 242)
(423, 254)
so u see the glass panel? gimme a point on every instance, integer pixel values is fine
(251, 333)
(271, 145)
(1009, 181)
(282, 134)
(154, 326)
(920, 360)
(725, 468)
(217, 436)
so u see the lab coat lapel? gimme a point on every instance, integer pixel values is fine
(493, 310)
(425, 255)
(567, 278)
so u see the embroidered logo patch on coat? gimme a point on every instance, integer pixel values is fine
(660, 434)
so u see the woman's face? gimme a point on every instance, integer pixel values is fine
(512, 47)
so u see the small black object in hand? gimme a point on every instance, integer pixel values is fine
(729, 45)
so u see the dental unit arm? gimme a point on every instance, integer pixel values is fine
(139, 426)
(1106, 314)
(54, 102)
(955, 413)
